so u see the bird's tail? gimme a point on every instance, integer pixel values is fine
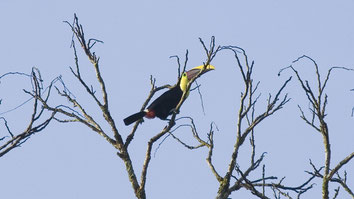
(133, 118)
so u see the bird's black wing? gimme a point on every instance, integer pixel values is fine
(163, 105)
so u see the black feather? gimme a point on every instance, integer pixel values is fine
(133, 118)
(163, 105)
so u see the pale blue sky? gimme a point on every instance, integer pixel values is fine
(70, 161)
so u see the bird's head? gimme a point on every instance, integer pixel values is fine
(189, 75)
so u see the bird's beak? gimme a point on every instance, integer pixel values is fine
(194, 71)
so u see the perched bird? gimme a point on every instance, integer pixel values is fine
(164, 105)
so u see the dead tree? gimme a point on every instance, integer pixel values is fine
(78, 113)
(248, 119)
(38, 120)
(318, 100)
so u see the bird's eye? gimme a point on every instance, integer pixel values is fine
(184, 74)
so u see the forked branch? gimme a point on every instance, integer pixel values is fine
(36, 124)
(318, 100)
(247, 120)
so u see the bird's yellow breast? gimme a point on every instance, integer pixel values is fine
(184, 83)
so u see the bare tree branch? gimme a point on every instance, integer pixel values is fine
(247, 116)
(87, 46)
(318, 112)
(35, 124)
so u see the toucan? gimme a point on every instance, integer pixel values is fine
(164, 105)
